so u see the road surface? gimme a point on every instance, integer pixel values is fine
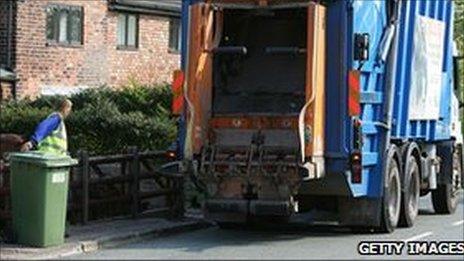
(291, 242)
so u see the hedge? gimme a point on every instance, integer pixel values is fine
(104, 120)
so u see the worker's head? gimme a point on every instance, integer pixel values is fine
(65, 107)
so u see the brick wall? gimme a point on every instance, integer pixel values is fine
(97, 62)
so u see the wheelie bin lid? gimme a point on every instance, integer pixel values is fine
(48, 160)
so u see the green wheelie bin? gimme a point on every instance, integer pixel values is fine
(39, 192)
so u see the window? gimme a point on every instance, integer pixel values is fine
(64, 24)
(128, 31)
(175, 35)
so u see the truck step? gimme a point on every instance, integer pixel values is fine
(370, 159)
(371, 98)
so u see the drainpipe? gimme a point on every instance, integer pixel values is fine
(9, 48)
(9, 32)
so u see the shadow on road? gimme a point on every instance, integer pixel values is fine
(242, 236)
(268, 235)
(431, 212)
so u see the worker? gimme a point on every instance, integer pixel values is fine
(50, 135)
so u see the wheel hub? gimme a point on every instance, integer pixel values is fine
(394, 198)
(413, 195)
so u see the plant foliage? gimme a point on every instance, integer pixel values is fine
(103, 121)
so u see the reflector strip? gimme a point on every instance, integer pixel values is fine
(177, 91)
(354, 93)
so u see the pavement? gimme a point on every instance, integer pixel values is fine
(292, 241)
(104, 234)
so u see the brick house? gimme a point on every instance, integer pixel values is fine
(59, 46)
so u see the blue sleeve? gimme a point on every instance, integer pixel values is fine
(45, 127)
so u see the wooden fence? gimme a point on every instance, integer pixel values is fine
(97, 192)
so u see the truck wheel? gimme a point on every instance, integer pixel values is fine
(391, 198)
(410, 194)
(445, 197)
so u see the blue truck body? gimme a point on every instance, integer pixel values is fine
(369, 16)
(382, 124)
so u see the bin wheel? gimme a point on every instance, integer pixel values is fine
(445, 197)
(391, 201)
(410, 195)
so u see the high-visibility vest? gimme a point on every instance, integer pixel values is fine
(57, 141)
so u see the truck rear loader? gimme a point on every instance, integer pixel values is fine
(332, 106)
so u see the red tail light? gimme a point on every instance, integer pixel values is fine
(356, 167)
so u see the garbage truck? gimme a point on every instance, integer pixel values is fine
(344, 107)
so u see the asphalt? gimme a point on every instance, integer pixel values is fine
(103, 234)
(291, 241)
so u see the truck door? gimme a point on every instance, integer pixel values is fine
(202, 36)
(312, 116)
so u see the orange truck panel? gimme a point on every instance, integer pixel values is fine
(315, 85)
(199, 73)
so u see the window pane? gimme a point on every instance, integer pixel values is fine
(64, 23)
(51, 23)
(174, 34)
(179, 35)
(121, 29)
(63, 27)
(132, 31)
(76, 26)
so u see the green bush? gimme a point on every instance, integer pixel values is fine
(150, 101)
(103, 121)
(20, 117)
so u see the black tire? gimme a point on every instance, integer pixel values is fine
(410, 194)
(445, 197)
(391, 202)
